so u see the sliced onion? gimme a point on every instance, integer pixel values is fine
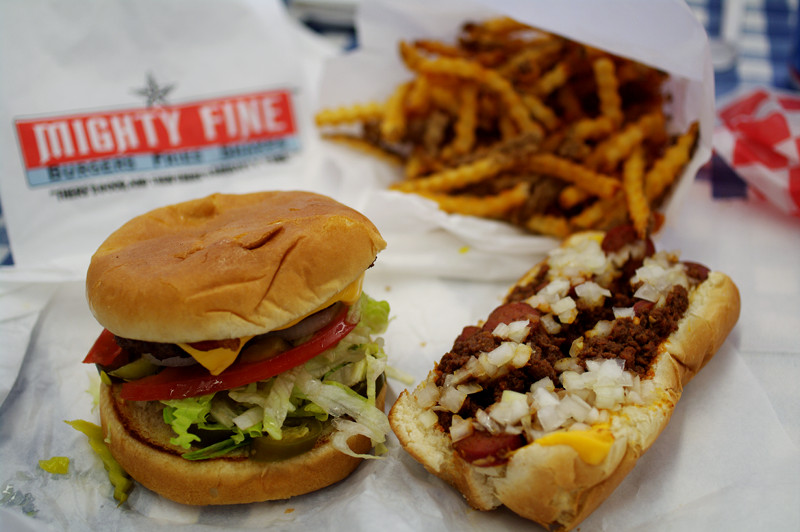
(171, 362)
(309, 325)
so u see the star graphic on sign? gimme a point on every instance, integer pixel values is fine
(154, 93)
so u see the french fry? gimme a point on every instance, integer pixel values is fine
(608, 90)
(602, 214)
(466, 69)
(600, 185)
(552, 79)
(444, 97)
(633, 186)
(363, 146)
(571, 196)
(548, 224)
(503, 25)
(540, 111)
(607, 156)
(467, 119)
(484, 206)
(393, 125)
(419, 96)
(349, 115)
(438, 48)
(666, 169)
(455, 178)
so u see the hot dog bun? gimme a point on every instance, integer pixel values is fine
(552, 483)
(139, 440)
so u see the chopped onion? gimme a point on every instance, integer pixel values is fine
(510, 409)
(502, 354)
(427, 395)
(601, 329)
(608, 396)
(550, 417)
(428, 418)
(550, 324)
(544, 382)
(623, 312)
(542, 398)
(575, 407)
(648, 293)
(485, 421)
(487, 368)
(472, 387)
(522, 354)
(567, 364)
(452, 399)
(576, 347)
(460, 428)
(592, 293)
(516, 331)
(572, 381)
(563, 305)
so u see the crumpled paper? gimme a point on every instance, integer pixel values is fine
(759, 137)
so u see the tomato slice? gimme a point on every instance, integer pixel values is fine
(181, 382)
(104, 351)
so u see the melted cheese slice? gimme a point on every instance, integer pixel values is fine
(217, 360)
(591, 445)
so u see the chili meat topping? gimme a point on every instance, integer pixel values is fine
(573, 343)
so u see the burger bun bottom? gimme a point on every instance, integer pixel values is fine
(138, 439)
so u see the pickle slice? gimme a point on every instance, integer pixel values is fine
(299, 436)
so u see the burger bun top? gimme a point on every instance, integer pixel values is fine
(227, 266)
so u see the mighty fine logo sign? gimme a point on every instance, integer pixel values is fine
(221, 131)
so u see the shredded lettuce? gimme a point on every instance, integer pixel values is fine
(181, 414)
(321, 388)
(374, 314)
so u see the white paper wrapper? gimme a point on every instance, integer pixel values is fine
(663, 34)
(724, 461)
(115, 108)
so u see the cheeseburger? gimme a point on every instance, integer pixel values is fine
(238, 359)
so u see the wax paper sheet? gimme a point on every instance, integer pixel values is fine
(701, 473)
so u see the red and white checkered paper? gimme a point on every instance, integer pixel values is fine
(759, 137)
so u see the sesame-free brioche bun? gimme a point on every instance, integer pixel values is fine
(227, 266)
(138, 439)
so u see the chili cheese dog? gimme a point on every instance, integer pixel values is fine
(547, 405)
